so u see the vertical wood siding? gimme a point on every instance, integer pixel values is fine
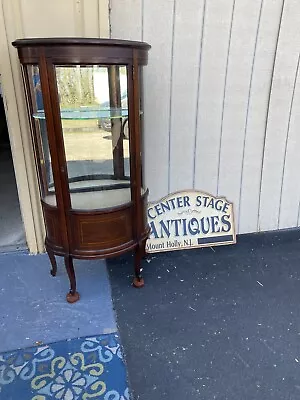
(87, 18)
(257, 114)
(275, 178)
(222, 101)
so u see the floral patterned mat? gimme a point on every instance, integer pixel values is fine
(84, 368)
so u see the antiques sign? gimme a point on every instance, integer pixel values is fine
(185, 220)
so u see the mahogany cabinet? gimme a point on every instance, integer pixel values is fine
(85, 111)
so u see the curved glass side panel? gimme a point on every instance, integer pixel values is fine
(94, 114)
(142, 125)
(41, 138)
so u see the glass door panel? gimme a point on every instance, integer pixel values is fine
(94, 114)
(43, 154)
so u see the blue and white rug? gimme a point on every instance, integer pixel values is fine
(84, 368)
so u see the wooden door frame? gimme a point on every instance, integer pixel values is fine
(11, 28)
(18, 128)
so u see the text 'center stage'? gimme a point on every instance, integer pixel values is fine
(190, 219)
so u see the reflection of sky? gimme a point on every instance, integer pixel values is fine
(101, 84)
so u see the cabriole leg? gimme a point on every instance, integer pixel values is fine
(72, 296)
(52, 259)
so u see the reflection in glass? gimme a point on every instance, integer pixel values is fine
(44, 158)
(94, 114)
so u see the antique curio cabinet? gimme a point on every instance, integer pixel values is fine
(85, 112)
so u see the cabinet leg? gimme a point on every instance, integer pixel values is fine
(72, 296)
(52, 259)
(138, 280)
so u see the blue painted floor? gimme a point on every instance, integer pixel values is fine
(33, 307)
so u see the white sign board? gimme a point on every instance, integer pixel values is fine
(190, 219)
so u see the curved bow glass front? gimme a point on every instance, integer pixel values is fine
(94, 113)
(43, 157)
(94, 116)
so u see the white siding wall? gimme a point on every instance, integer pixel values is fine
(222, 101)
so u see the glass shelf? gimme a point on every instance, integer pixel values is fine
(96, 200)
(79, 184)
(86, 113)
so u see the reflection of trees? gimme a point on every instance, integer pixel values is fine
(75, 86)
